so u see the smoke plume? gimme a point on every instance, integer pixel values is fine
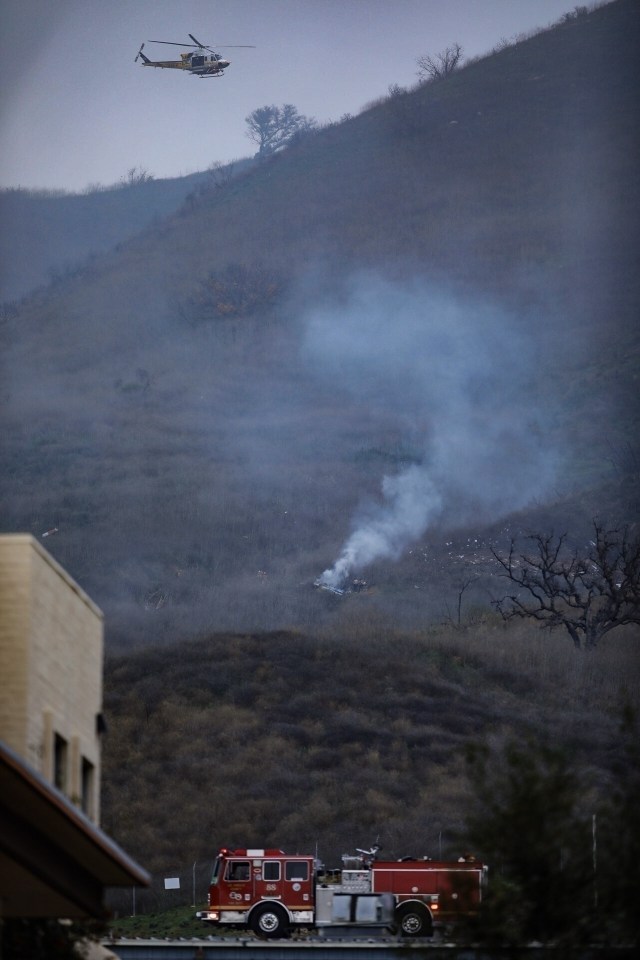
(459, 374)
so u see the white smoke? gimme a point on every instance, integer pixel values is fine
(410, 502)
(459, 372)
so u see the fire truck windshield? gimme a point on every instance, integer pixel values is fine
(215, 876)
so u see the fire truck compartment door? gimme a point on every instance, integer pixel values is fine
(368, 909)
(268, 879)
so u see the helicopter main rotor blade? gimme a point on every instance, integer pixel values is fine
(236, 46)
(202, 46)
(173, 43)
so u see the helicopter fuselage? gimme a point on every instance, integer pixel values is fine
(199, 62)
(200, 65)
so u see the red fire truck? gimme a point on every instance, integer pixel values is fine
(271, 892)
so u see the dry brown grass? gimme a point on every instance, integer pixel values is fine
(286, 739)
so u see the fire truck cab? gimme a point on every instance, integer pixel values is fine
(266, 890)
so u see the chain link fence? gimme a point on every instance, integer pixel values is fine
(188, 885)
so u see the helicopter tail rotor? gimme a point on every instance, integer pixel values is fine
(139, 54)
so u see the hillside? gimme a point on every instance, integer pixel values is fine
(417, 327)
(47, 236)
(329, 741)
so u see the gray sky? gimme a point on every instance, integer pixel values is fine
(76, 111)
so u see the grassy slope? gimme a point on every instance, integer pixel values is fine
(47, 236)
(135, 430)
(290, 740)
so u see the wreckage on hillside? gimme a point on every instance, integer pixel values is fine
(353, 586)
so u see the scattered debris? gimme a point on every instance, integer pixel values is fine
(355, 586)
(156, 600)
(326, 586)
(49, 533)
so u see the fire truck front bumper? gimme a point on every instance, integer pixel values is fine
(210, 916)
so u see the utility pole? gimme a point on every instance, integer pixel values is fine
(594, 840)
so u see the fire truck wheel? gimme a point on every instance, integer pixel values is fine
(268, 922)
(414, 921)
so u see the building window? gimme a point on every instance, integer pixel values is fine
(60, 762)
(88, 780)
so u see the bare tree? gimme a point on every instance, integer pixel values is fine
(462, 586)
(588, 593)
(136, 176)
(439, 65)
(575, 14)
(274, 127)
(220, 174)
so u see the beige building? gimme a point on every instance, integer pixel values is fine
(54, 859)
(51, 652)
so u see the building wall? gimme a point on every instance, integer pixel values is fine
(51, 655)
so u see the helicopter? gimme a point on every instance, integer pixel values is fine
(199, 62)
